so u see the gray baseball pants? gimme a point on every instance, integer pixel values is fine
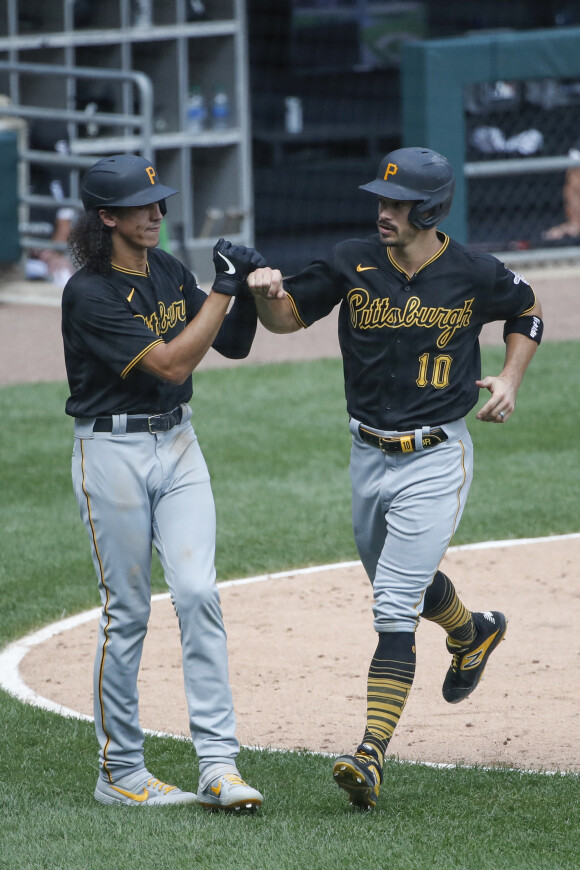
(136, 491)
(405, 510)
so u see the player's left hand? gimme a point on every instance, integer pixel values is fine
(502, 403)
(233, 263)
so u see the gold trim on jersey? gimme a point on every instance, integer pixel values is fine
(144, 274)
(435, 256)
(531, 308)
(139, 357)
(295, 312)
(517, 278)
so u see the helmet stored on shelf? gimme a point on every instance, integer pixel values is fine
(123, 180)
(419, 175)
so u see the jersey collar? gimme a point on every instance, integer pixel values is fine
(443, 248)
(131, 271)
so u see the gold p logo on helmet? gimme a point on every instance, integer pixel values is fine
(151, 173)
(391, 169)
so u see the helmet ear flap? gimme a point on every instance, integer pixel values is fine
(425, 215)
(162, 207)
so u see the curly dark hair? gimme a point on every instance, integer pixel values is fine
(90, 243)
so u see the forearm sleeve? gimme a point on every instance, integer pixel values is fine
(236, 334)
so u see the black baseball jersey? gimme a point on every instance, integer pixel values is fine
(410, 345)
(109, 322)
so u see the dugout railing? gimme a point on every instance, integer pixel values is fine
(135, 130)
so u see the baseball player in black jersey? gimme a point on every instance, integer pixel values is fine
(412, 306)
(135, 325)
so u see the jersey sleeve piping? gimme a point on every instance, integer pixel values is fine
(295, 311)
(527, 311)
(139, 357)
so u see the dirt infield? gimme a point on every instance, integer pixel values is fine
(291, 693)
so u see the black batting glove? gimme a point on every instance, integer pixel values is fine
(233, 264)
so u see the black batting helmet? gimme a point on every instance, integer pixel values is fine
(417, 174)
(122, 180)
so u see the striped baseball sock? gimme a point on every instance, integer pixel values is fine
(442, 605)
(390, 679)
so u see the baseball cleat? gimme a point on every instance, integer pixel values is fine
(468, 662)
(140, 789)
(360, 776)
(229, 792)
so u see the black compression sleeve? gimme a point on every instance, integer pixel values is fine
(529, 325)
(234, 340)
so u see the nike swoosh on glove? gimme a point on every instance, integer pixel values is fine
(233, 264)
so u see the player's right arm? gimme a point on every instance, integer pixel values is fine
(175, 360)
(274, 308)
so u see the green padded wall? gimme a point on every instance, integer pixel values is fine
(9, 240)
(434, 73)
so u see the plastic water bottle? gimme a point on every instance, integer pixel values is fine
(293, 114)
(196, 111)
(142, 14)
(220, 111)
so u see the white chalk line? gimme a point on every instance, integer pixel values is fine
(13, 653)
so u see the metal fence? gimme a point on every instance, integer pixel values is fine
(523, 165)
(133, 130)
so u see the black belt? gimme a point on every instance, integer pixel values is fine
(404, 443)
(155, 423)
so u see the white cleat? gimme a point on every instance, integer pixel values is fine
(140, 789)
(229, 792)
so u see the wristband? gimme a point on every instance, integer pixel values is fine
(229, 285)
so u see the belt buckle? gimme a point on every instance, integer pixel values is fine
(155, 417)
(406, 442)
(382, 439)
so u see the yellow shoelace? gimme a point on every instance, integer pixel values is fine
(234, 778)
(160, 786)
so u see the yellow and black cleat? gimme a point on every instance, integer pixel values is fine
(360, 776)
(468, 663)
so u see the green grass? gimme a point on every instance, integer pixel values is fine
(276, 442)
